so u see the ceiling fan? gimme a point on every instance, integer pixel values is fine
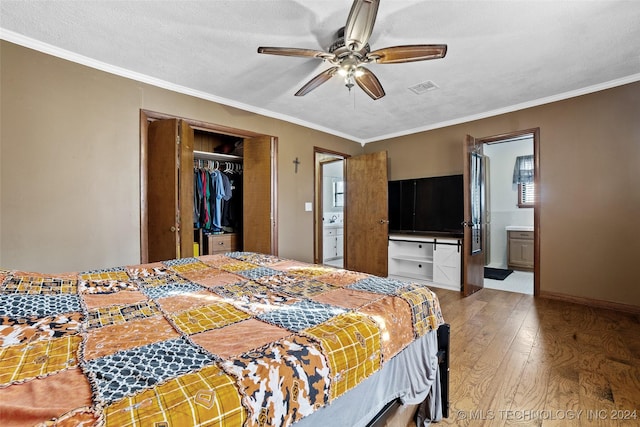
(351, 50)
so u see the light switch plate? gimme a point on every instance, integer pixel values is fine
(308, 206)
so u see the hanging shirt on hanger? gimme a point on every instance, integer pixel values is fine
(227, 187)
(197, 198)
(217, 190)
(205, 217)
(228, 193)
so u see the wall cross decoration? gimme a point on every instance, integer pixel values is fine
(296, 162)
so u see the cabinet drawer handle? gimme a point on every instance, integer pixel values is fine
(221, 243)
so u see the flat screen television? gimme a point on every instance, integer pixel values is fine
(426, 205)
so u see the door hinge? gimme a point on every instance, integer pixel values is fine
(178, 139)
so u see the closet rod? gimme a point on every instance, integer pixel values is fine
(215, 156)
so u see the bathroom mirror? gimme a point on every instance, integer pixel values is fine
(477, 198)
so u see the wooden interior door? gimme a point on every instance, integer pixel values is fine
(259, 201)
(367, 214)
(473, 244)
(169, 192)
(185, 193)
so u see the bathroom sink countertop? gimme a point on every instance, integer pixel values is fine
(333, 225)
(519, 227)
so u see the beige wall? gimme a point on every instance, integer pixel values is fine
(69, 163)
(69, 172)
(589, 177)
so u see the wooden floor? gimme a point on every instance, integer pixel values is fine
(520, 360)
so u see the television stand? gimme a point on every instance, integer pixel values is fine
(428, 259)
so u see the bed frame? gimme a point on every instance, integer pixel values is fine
(386, 413)
(444, 333)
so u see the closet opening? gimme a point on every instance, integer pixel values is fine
(217, 201)
(204, 189)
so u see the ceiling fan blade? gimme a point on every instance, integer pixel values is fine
(360, 23)
(409, 53)
(369, 83)
(293, 51)
(317, 81)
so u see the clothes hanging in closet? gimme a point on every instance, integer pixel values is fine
(232, 206)
(214, 204)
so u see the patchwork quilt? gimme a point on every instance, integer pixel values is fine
(239, 339)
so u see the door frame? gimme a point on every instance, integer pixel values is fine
(317, 194)
(147, 116)
(535, 132)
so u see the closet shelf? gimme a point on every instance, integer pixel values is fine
(215, 156)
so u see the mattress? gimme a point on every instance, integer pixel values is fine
(236, 339)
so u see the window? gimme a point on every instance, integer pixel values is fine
(526, 195)
(338, 194)
(523, 176)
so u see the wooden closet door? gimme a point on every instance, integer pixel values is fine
(259, 201)
(185, 193)
(170, 190)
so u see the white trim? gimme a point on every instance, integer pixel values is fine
(533, 103)
(123, 72)
(30, 43)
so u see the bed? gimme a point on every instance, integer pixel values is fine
(235, 339)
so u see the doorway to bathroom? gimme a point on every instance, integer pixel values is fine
(330, 202)
(333, 212)
(510, 212)
(357, 230)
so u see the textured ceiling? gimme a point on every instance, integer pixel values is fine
(502, 55)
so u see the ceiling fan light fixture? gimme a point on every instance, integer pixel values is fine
(350, 72)
(349, 82)
(351, 50)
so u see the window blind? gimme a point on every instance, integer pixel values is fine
(527, 194)
(523, 170)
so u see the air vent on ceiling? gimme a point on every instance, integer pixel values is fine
(424, 87)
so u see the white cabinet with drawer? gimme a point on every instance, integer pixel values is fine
(430, 259)
(520, 250)
(333, 243)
